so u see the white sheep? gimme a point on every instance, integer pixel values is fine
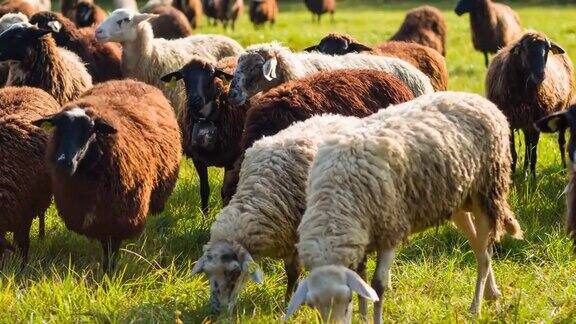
(265, 66)
(147, 59)
(403, 170)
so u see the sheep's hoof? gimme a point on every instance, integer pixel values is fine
(492, 294)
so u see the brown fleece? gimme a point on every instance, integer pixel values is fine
(493, 26)
(14, 6)
(126, 175)
(170, 24)
(192, 9)
(98, 14)
(262, 11)
(102, 59)
(24, 182)
(424, 25)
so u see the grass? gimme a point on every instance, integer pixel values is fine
(433, 276)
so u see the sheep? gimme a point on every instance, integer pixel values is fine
(228, 12)
(170, 23)
(401, 171)
(424, 25)
(14, 6)
(265, 66)
(113, 157)
(126, 4)
(262, 11)
(88, 14)
(25, 190)
(6, 22)
(39, 63)
(211, 12)
(493, 25)
(424, 58)
(102, 59)
(211, 127)
(527, 80)
(258, 225)
(320, 7)
(192, 9)
(68, 8)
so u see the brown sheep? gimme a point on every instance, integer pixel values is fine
(344, 92)
(171, 23)
(320, 7)
(229, 11)
(68, 8)
(424, 25)
(113, 157)
(192, 9)
(527, 80)
(493, 25)
(262, 11)
(88, 14)
(14, 6)
(424, 58)
(24, 182)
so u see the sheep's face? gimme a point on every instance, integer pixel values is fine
(253, 74)
(16, 41)
(121, 26)
(84, 14)
(464, 6)
(337, 45)
(47, 20)
(74, 133)
(228, 267)
(533, 51)
(560, 122)
(329, 289)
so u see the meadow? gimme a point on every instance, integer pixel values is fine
(433, 276)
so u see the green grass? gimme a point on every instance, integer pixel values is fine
(433, 276)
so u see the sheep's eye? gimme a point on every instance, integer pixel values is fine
(119, 22)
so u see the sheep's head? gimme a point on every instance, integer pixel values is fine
(10, 19)
(74, 133)
(559, 122)
(121, 26)
(228, 266)
(533, 49)
(16, 41)
(84, 15)
(329, 289)
(338, 44)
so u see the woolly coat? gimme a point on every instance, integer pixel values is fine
(102, 59)
(170, 24)
(262, 11)
(123, 176)
(506, 86)
(192, 9)
(424, 25)
(493, 26)
(24, 182)
(57, 71)
(403, 170)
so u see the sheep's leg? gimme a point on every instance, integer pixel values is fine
(562, 146)
(110, 248)
(381, 280)
(531, 137)
(363, 303)
(202, 171)
(513, 150)
(292, 268)
(486, 59)
(22, 239)
(481, 251)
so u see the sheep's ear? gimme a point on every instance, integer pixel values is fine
(46, 123)
(55, 26)
(103, 127)
(172, 78)
(357, 47)
(298, 298)
(199, 266)
(552, 123)
(222, 75)
(358, 285)
(556, 49)
(252, 268)
(138, 18)
(269, 69)
(311, 49)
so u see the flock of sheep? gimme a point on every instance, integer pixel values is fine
(330, 154)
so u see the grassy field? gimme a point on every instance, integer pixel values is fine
(433, 276)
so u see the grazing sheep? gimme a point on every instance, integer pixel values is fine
(403, 170)
(262, 11)
(192, 9)
(88, 14)
(170, 23)
(320, 7)
(126, 4)
(528, 80)
(265, 66)
(113, 157)
(211, 127)
(424, 58)
(24, 182)
(211, 12)
(493, 25)
(14, 6)
(102, 59)
(228, 11)
(261, 219)
(39, 63)
(424, 25)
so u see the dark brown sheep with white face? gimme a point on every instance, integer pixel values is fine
(493, 25)
(24, 181)
(170, 23)
(424, 25)
(88, 14)
(212, 127)
(424, 58)
(263, 11)
(192, 9)
(528, 80)
(113, 157)
(344, 92)
(320, 7)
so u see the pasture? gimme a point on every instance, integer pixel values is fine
(433, 276)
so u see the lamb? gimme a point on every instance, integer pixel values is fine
(493, 25)
(40, 64)
(14, 6)
(112, 159)
(527, 80)
(424, 58)
(102, 59)
(262, 11)
(192, 9)
(401, 171)
(262, 217)
(170, 23)
(424, 25)
(88, 14)
(320, 7)
(265, 66)
(25, 190)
